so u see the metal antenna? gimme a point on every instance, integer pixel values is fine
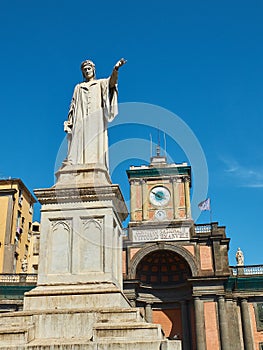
(158, 148)
(151, 145)
(164, 139)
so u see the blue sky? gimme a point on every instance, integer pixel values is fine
(201, 60)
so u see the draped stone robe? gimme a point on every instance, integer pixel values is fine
(93, 105)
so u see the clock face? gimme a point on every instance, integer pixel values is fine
(159, 196)
(160, 215)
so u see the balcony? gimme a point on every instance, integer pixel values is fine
(247, 270)
(12, 278)
(211, 229)
(203, 228)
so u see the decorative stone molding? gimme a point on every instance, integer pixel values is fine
(64, 194)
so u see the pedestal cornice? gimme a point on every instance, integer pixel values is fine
(71, 194)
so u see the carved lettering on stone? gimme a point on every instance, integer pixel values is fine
(162, 234)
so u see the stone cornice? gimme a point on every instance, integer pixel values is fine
(73, 194)
(155, 172)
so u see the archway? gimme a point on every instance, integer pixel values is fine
(161, 268)
(164, 291)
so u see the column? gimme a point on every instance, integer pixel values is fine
(148, 313)
(199, 324)
(223, 324)
(185, 326)
(175, 198)
(246, 325)
(144, 200)
(133, 199)
(234, 332)
(187, 197)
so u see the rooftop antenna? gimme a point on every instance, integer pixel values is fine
(151, 145)
(158, 146)
(164, 139)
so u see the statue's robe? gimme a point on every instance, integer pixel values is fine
(93, 105)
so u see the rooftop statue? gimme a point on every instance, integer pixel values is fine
(93, 105)
(239, 257)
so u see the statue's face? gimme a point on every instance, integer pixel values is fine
(88, 71)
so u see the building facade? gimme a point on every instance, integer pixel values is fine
(33, 255)
(16, 203)
(178, 272)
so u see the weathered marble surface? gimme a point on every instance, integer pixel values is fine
(93, 105)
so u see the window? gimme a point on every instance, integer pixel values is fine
(29, 231)
(15, 262)
(18, 218)
(20, 197)
(36, 246)
(18, 223)
(16, 240)
(35, 228)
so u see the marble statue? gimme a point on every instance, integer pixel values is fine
(93, 105)
(24, 264)
(239, 257)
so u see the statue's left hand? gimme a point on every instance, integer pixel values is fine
(120, 63)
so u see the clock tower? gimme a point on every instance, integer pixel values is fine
(173, 269)
(160, 201)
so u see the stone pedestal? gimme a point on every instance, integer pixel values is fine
(80, 247)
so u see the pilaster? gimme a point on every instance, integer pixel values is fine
(199, 324)
(223, 324)
(246, 324)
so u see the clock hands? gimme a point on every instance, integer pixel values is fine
(159, 195)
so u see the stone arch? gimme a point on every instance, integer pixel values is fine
(63, 223)
(163, 246)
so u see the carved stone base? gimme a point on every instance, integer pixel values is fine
(82, 329)
(67, 297)
(89, 174)
(81, 235)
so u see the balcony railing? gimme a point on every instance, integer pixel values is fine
(18, 278)
(246, 270)
(206, 228)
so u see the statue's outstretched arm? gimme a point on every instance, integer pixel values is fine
(114, 74)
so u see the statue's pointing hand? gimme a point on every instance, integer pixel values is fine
(120, 63)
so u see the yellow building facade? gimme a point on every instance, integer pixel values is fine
(34, 248)
(16, 212)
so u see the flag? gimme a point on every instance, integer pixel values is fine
(205, 205)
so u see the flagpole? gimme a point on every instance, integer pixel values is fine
(210, 212)
(206, 205)
(151, 145)
(211, 217)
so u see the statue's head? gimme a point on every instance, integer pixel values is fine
(88, 69)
